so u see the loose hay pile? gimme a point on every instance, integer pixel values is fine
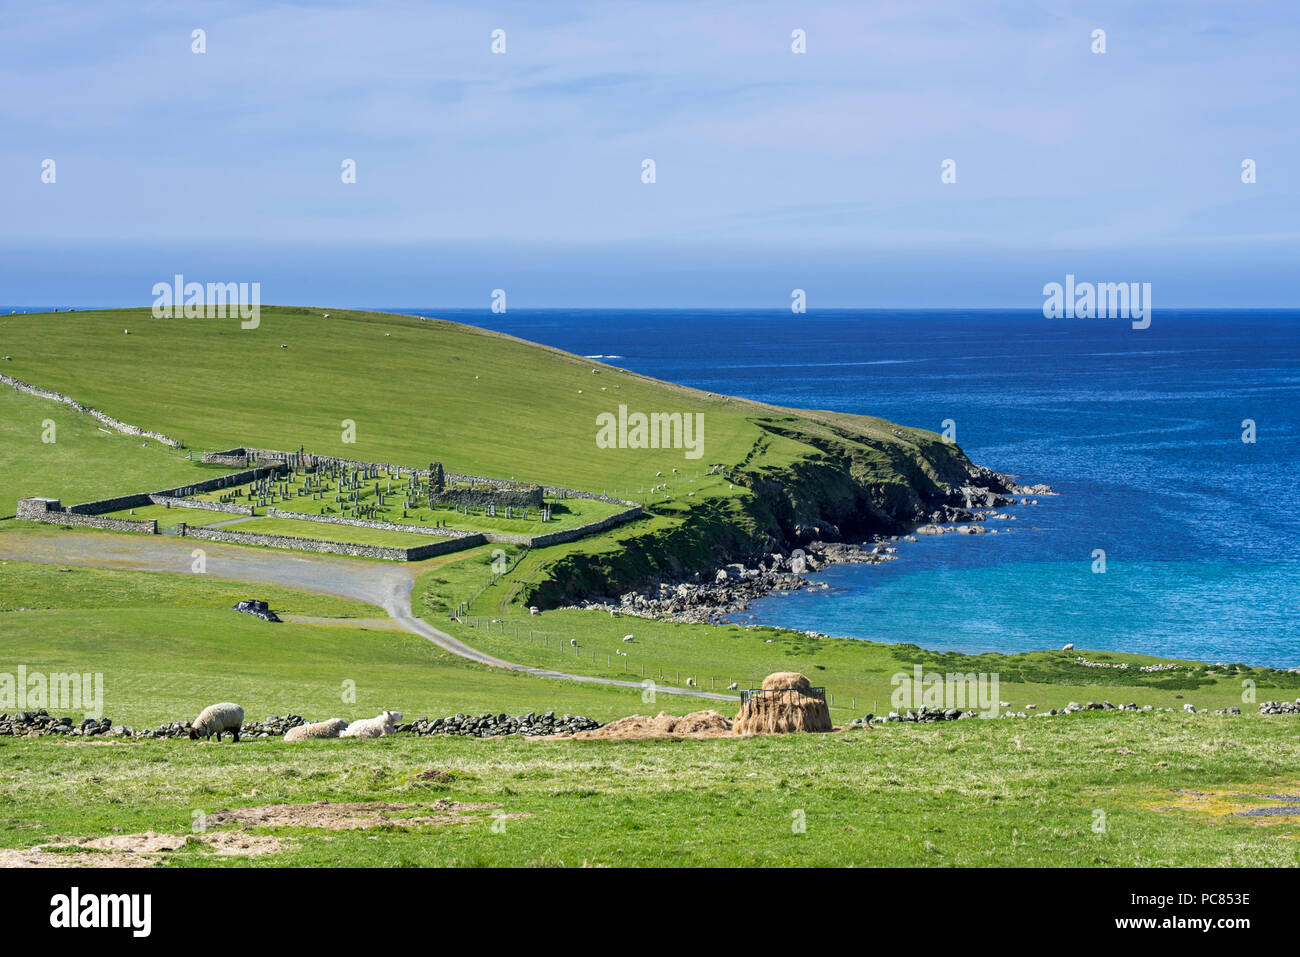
(783, 706)
(698, 724)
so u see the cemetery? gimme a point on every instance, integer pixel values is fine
(423, 501)
(302, 501)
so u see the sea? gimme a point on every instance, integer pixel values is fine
(1175, 451)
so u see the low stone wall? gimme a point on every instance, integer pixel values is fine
(229, 508)
(115, 424)
(48, 510)
(180, 492)
(367, 523)
(221, 481)
(110, 504)
(413, 554)
(556, 492)
(572, 534)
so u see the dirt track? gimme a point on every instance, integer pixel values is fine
(385, 584)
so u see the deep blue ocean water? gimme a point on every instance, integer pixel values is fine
(1139, 430)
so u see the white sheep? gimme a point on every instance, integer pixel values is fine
(1069, 647)
(375, 727)
(573, 642)
(732, 686)
(321, 729)
(690, 682)
(218, 719)
(628, 638)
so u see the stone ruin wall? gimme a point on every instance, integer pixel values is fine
(49, 511)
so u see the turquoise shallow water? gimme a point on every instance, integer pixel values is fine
(1139, 430)
(1201, 610)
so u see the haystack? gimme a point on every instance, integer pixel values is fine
(782, 707)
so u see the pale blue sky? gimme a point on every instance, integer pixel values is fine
(775, 170)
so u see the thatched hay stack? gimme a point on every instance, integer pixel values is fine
(785, 680)
(783, 710)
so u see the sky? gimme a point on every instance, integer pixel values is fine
(774, 170)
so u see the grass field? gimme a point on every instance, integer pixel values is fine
(171, 516)
(334, 533)
(1092, 790)
(168, 645)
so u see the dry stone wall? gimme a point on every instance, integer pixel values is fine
(228, 508)
(115, 424)
(412, 554)
(433, 531)
(48, 510)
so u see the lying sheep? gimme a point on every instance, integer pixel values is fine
(321, 729)
(628, 638)
(375, 727)
(218, 719)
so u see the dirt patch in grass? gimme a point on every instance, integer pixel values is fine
(40, 857)
(146, 843)
(93, 743)
(435, 776)
(137, 850)
(639, 727)
(351, 816)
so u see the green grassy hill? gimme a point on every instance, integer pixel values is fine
(417, 389)
(413, 390)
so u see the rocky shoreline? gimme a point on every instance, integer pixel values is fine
(967, 510)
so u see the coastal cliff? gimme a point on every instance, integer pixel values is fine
(841, 485)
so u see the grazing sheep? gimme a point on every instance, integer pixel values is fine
(321, 729)
(375, 727)
(732, 686)
(1069, 647)
(218, 719)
